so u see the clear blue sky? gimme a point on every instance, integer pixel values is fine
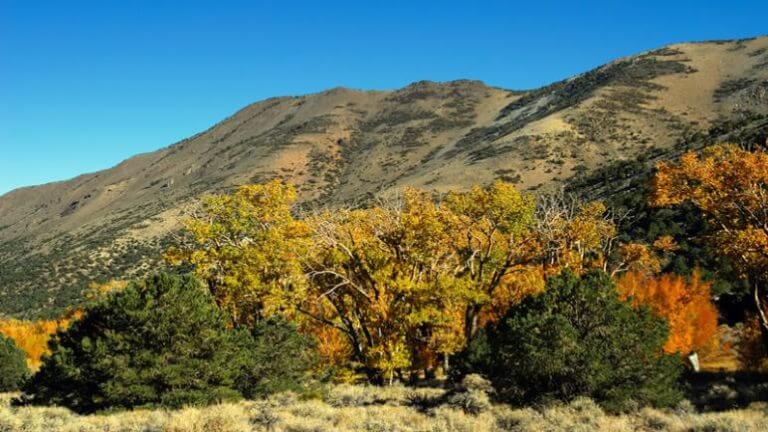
(85, 84)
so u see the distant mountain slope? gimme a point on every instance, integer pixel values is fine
(344, 146)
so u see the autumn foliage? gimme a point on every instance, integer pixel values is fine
(399, 286)
(684, 303)
(31, 336)
(246, 247)
(729, 185)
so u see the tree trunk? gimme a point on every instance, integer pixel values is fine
(761, 312)
(470, 321)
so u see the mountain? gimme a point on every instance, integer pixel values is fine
(344, 146)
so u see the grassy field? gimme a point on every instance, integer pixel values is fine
(356, 408)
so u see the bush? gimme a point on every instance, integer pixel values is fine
(162, 341)
(577, 338)
(471, 402)
(13, 365)
(470, 395)
(279, 359)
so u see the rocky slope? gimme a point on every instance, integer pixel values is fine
(344, 146)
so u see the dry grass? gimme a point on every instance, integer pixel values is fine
(351, 408)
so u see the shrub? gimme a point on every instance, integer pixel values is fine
(475, 382)
(13, 365)
(279, 359)
(577, 338)
(470, 395)
(471, 401)
(162, 341)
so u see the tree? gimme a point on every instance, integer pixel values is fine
(385, 278)
(684, 303)
(398, 285)
(279, 359)
(413, 279)
(577, 338)
(162, 341)
(583, 236)
(494, 242)
(32, 336)
(729, 185)
(246, 246)
(13, 365)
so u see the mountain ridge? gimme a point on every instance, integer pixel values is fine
(344, 145)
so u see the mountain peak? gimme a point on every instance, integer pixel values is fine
(344, 145)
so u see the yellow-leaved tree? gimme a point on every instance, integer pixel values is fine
(398, 286)
(247, 247)
(385, 278)
(495, 246)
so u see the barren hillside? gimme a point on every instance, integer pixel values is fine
(344, 146)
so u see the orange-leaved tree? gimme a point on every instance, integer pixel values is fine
(684, 303)
(33, 336)
(729, 185)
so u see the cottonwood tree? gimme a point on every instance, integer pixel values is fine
(416, 278)
(399, 285)
(729, 185)
(493, 235)
(684, 303)
(247, 247)
(385, 278)
(581, 236)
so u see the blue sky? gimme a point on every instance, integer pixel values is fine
(86, 84)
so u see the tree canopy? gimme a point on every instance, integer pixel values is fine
(401, 284)
(729, 186)
(685, 304)
(246, 246)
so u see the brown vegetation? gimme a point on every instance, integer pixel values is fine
(361, 409)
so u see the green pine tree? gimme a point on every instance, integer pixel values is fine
(13, 365)
(159, 342)
(577, 338)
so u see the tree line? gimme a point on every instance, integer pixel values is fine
(525, 290)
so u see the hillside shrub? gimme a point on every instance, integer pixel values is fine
(159, 342)
(13, 365)
(577, 338)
